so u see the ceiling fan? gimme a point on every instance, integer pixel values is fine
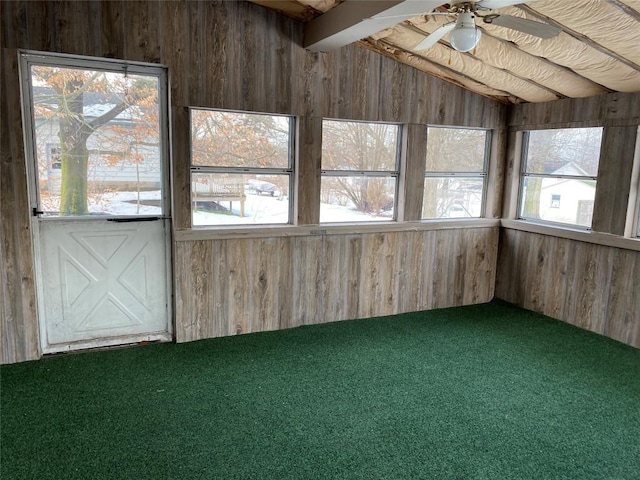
(464, 35)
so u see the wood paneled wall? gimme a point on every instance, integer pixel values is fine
(619, 115)
(18, 323)
(611, 109)
(614, 179)
(233, 55)
(248, 285)
(591, 286)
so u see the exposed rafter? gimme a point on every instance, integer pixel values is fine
(505, 94)
(626, 9)
(604, 32)
(444, 43)
(579, 36)
(546, 61)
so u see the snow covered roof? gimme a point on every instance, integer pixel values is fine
(570, 168)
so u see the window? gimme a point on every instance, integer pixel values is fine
(561, 163)
(96, 136)
(454, 184)
(359, 171)
(241, 169)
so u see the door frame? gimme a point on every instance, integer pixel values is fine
(26, 58)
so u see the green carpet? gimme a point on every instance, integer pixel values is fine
(488, 391)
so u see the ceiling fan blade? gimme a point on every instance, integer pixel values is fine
(433, 38)
(493, 4)
(537, 29)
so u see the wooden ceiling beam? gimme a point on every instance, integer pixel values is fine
(353, 20)
(578, 36)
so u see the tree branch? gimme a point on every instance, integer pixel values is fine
(107, 117)
(106, 152)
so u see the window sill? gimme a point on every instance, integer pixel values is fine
(597, 238)
(222, 233)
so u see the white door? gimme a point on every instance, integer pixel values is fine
(103, 280)
(99, 202)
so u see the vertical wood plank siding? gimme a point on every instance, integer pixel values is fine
(619, 115)
(614, 179)
(251, 285)
(591, 286)
(414, 140)
(611, 109)
(240, 56)
(18, 323)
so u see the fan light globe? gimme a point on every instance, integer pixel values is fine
(465, 35)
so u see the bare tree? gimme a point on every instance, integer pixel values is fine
(451, 150)
(362, 147)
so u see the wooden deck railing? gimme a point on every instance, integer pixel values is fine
(219, 192)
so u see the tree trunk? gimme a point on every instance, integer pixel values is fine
(430, 201)
(74, 156)
(73, 190)
(531, 201)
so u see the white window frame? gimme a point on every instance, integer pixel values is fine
(484, 174)
(202, 169)
(524, 174)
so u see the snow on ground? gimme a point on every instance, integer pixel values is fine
(259, 210)
(125, 203)
(337, 213)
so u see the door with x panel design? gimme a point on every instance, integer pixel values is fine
(102, 283)
(99, 200)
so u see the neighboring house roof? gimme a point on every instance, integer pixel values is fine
(570, 168)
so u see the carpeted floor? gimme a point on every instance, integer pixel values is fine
(480, 392)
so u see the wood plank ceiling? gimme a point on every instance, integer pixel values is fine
(598, 50)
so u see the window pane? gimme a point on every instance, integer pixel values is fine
(232, 139)
(452, 197)
(357, 199)
(558, 200)
(97, 141)
(239, 199)
(359, 146)
(569, 151)
(455, 150)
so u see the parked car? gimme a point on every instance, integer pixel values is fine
(260, 187)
